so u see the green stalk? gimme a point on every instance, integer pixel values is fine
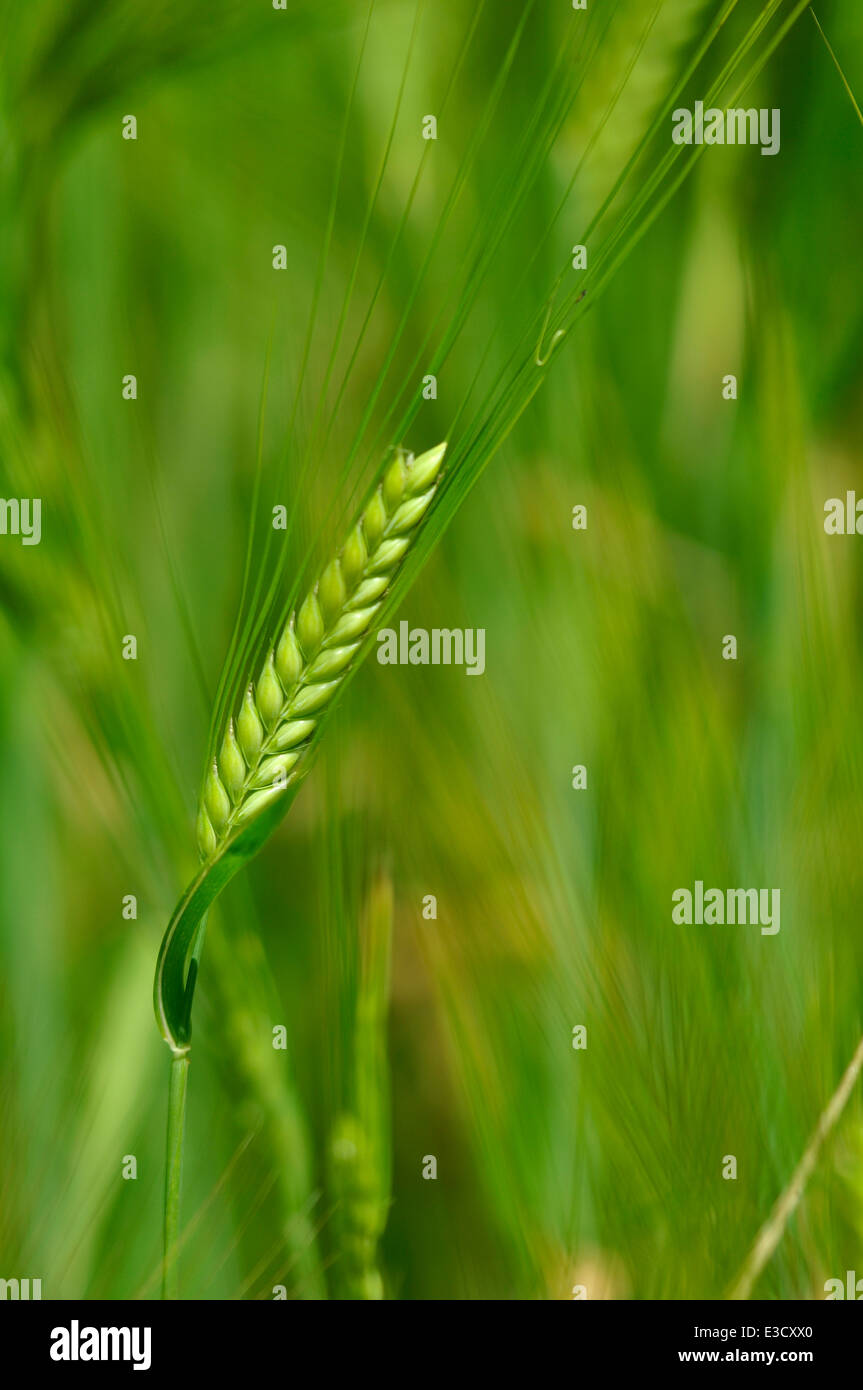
(174, 1172)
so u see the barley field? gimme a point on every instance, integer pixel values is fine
(431, 589)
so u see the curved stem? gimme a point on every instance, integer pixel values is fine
(174, 1173)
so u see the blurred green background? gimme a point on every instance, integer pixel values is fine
(409, 1037)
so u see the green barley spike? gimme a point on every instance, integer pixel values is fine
(359, 1215)
(262, 749)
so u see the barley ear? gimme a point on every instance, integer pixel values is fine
(263, 750)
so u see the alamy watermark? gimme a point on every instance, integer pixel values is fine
(76, 1343)
(21, 516)
(21, 1290)
(849, 1287)
(843, 516)
(442, 646)
(721, 906)
(732, 127)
